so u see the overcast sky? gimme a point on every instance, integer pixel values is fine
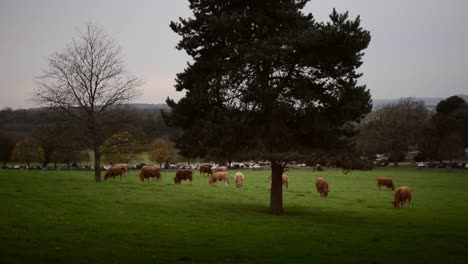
(418, 47)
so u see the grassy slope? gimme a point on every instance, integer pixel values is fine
(65, 216)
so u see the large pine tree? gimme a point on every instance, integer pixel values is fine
(267, 79)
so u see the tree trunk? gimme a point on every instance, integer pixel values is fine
(276, 196)
(97, 164)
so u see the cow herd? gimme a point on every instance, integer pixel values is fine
(401, 195)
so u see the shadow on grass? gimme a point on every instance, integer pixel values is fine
(311, 213)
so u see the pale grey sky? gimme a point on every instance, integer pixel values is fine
(418, 47)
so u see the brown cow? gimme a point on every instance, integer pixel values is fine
(124, 166)
(183, 174)
(284, 180)
(205, 169)
(114, 171)
(239, 177)
(401, 195)
(322, 187)
(219, 176)
(220, 168)
(150, 172)
(387, 182)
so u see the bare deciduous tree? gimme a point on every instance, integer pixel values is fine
(88, 80)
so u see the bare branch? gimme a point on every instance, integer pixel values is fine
(85, 80)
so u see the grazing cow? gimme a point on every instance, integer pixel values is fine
(284, 180)
(401, 195)
(239, 177)
(322, 187)
(114, 171)
(150, 172)
(388, 183)
(219, 176)
(183, 174)
(220, 168)
(124, 166)
(205, 169)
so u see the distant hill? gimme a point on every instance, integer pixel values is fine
(430, 102)
(149, 106)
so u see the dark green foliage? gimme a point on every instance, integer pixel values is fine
(266, 66)
(451, 147)
(450, 104)
(7, 143)
(447, 133)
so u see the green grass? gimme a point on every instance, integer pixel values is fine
(52, 216)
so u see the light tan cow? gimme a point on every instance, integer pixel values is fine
(239, 177)
(219, 176)
(220, 168)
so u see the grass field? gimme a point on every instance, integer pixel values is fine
(52, 216)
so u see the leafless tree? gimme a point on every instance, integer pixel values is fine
(88, 81)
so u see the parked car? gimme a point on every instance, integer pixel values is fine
(255, 167)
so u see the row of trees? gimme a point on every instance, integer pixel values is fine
(46, 144)
(393, 130)
(408, 125)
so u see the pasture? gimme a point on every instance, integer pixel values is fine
(64, 216)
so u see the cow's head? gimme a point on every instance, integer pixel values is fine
(211, 181)
(395, 204)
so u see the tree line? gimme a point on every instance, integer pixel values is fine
(408, 125)
(48, 136)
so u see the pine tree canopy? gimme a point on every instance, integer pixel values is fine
(266, 78)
